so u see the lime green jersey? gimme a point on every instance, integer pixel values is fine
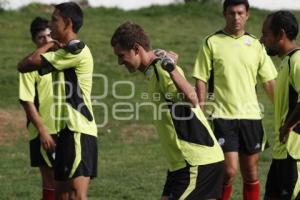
(231, 66)
(183, 141)
(72, 84)
(287, 95)
(38, 90)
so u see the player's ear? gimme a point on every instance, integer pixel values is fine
(68, 23)
(247, 14)
(136, 48)
(281, 34)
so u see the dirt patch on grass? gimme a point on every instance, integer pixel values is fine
(12, 125)
(133, 132)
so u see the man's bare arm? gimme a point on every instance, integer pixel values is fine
(33, 61)
(290, 123)
(185, 87)
(201, 92)
(46, 140)
(269, 87)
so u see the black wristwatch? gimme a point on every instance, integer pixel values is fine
(168, 64)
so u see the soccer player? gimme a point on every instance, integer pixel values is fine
(279, 31)
(227, 67)
(194, 156)
(36, 97)
(72, 68)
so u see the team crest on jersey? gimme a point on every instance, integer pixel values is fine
(248, 42)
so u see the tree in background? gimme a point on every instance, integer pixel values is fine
(2, 4)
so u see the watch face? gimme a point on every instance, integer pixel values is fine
(168, 64)
(170, 67)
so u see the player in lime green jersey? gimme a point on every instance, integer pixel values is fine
(71, 66)
(227, 67)
(194, 157)
(279, 31)
(36, 96)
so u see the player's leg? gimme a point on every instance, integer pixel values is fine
(249, 172)
(47, 173)
(63, 190)
(251, 142)
(231, 169)
(80, 186)
(48, 183)
(226, 132)
(249, 165)
(39, 158)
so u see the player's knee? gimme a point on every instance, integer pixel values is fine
(229, 176)
(80, 196)
(231, 172)
(48, 179)
(49, 182)
(250, 176)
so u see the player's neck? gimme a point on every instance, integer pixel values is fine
(68, 37)
(288, 47)
(234, 33)
(147, 59)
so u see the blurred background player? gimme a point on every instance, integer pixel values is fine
(229, 62)
(279, 31)
(36, 96)
(195, 159)
(72, 70)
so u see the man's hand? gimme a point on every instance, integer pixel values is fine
(284, 134)
(168, 59)
(47, 141)
(56, 45)
(160, 53)
(173, 56)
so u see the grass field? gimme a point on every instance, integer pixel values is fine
(131, 166)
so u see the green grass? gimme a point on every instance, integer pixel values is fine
(131, 165)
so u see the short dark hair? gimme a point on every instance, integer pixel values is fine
(286, 21)
(73, 11)
(228, 3)
(129, 33)
(38, 24)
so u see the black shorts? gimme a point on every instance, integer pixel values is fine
(195, 182)
(38, 156)
(239, 135)
(283, 180)
(76, 155)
